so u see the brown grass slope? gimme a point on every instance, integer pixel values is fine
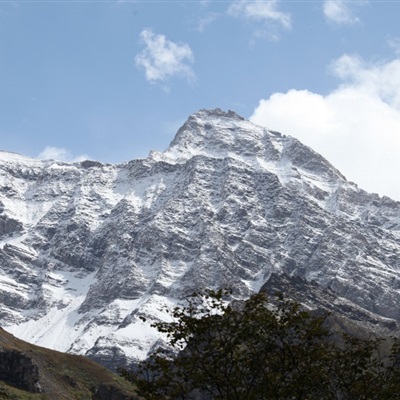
(32, 372)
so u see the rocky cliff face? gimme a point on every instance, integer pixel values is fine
(342, 315)
(87, 248)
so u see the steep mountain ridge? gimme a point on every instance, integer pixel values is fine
(87, 248)
(342, 316)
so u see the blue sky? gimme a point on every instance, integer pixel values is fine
(112, 80)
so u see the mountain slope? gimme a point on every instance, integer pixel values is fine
(87, 248)
(31, 372)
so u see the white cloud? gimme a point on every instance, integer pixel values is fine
(207, 20)
(340, 11)
(356, 126)
(378, 81)
(60, 154)
(163, 59)
(261, 11)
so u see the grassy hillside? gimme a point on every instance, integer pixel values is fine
(32, 372)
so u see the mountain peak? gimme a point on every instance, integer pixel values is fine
(217, 133)
(225, 134)
(217, 112)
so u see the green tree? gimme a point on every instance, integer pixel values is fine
(252, 350)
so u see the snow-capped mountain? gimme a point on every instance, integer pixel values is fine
(87, 248)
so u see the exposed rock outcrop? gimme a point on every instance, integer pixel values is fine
(17, 369)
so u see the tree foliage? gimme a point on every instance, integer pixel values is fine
(251, 351)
